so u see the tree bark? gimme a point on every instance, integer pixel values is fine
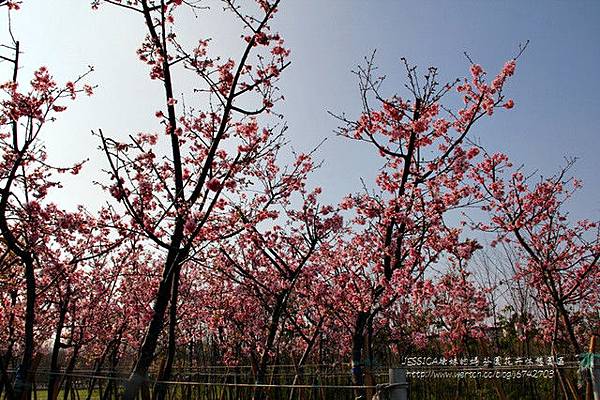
(161, 389)
(139, 374)
(358, 340)
(261, 371)
(53, 380)
(5, 381)
(23, 378)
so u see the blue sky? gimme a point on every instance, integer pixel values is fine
(555, 89)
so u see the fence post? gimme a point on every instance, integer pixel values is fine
(398, 384)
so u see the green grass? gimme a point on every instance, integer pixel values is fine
(43, 394)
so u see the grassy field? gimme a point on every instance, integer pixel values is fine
(81, 394)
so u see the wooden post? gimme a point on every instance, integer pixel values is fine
(398, 384)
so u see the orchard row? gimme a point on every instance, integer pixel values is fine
(213, 239)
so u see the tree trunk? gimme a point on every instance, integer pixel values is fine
(368, 352)
(97, 369)
(23, 378)
(300, 367)
(261, 371)
(112, 385)
(139, 375)
(69, 372)
(565, 317)
(5, 381)
(161, 389)
(53, 379)
(357, 348)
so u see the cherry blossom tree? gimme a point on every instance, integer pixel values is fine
(33, 229)
(558, 258)
(213, 237)
(427, 159)
(267, 264)
(181, 200)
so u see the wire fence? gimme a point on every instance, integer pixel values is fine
(311, 382)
